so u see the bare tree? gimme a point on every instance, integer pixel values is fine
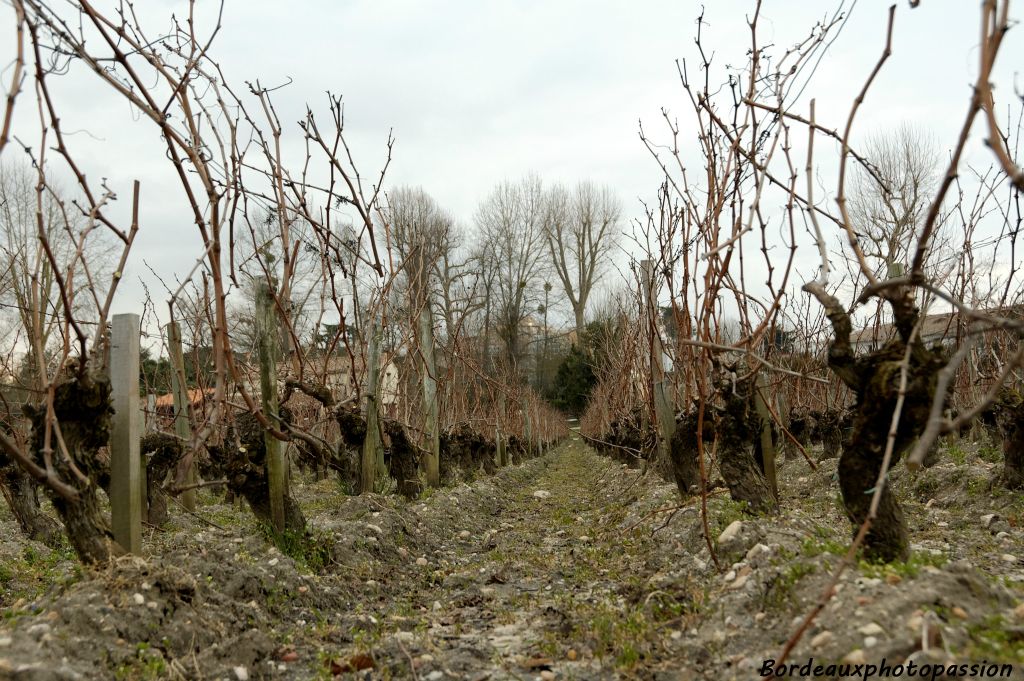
(889, 199)
(581, 228)
(511, 222)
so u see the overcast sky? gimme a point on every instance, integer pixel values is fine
(477, 92)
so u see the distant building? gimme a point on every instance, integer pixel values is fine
(944, 329)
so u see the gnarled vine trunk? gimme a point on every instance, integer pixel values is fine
(20, 492)
(164, 453)
(242, 459)
(82, 408)
(1009, 417)
(875, 378)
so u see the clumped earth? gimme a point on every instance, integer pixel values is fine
(568, 566)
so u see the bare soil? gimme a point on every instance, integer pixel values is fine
(568, 566)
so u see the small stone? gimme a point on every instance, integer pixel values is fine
(756, 550)
(1009, 558)
(152, 605)
(759, 617)
(303, 589)
(731, 532)
(139, 599)
(421, 561)
(146, 586)
(822, 639)
(855, 656)
(547, 675)
(572, 654)
(542, 494)
(465, 534)
(241, 673)
(403, 552)
(914, 623)
(425, 658)
(729, 576)
(893, 579)
(273, 561)
(37, 631)
(871, 629)
(676, 635)
(435, 675)
(987, 519)
(5, 641)
(372, 583)
(740, 582)
(436, 606)
(960, 612)
(583, 539)
(870, 641)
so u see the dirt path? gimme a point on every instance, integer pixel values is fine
(558, 568)
(547, 586)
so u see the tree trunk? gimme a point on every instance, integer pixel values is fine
(683, 451)
(740, 459)
(20, 492)
(82, 408)
(887, 538)
(1009, 417)
(164, 453)
(246, 473)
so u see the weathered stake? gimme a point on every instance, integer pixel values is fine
(267, 331)
(767, 446)
(125, 501)
(663, 411)
(373, 450)
(499, 439)
(432, 456)
(182, 406)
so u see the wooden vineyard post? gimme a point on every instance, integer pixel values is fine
(767, 445)
(182, 406)
(373, 450)
(432, 457)
(140, 430)
(663, 412)
(527, 431)
(125, 501)
(267, 331)
(499, 439)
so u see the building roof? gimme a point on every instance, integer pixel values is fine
(195, 396)
(934, 327)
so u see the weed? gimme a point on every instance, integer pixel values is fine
(907, 569)
(309, 550)
(781, 590)
(957, 453)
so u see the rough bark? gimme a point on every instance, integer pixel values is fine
(82, 409)
(1009, 418)
(20, 492)
(740, 459)
(683, 452)
(243, 462)
(875, 379)
(164, 453)
(403, 460)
